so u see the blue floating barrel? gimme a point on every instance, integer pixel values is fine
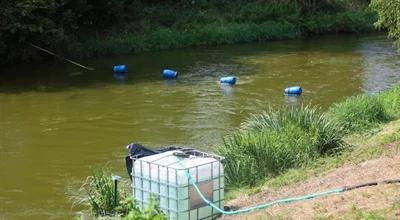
(169, 74)
(294, 90)
(120, 69)
(230, 80)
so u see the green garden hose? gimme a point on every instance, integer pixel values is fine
(280, 201)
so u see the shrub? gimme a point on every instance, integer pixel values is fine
(274, 141)
(358, 113)
(151, 212)
(348, 21)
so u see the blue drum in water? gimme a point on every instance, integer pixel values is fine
(120, 69)
(169, 74)
(294, 90)
(228, 80)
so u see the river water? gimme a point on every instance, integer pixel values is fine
(58, 123)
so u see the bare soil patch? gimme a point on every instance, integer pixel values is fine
(369, 198)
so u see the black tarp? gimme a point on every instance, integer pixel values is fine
(137, 151)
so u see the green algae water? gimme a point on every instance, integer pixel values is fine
(58, 122)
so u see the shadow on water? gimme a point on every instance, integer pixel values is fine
(193, 65)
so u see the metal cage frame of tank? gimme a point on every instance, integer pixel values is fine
(167, 210)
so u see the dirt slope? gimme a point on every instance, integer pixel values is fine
(345, 205)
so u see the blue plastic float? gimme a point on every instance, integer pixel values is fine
(228, 80)
(169, 74)
(120, 69)
(293, 90)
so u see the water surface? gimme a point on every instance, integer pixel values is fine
(58, 122)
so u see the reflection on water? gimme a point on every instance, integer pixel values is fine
(120, 77)
(57, 122)
(227, 90)
(380, 64)
(293, 100)
(170, 83)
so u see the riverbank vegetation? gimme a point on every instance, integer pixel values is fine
(269, 144)
(373, 156)
(358, 113)
(86, 28)
(388, 17)
(99, 195)
(281, 147)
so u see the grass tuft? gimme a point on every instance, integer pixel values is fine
(391, 102)
(99, 197)
(99, 189)
(271, 143)
(358, 113)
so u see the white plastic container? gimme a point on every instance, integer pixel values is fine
(165, 176)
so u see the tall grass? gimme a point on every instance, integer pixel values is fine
(272, 142)
(167, 38)
(99, 197)
(310, 119)
(134, 26)
(391, 102)
(358, 113)
(99, 189)
(235, 30)
(221, 23)
(252, 157)
(275, 141)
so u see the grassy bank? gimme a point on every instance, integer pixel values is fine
(269, 144)
(273, 143)
(167, 38)
(374, 154)
(84, 29)
(371, 144)
(227, 28)
(371, 137)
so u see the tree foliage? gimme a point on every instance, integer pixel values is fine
(51, 23)
(388, 17)
(64, 24)
(23, 20)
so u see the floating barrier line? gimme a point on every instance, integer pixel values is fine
(279, 201)
(59, 57)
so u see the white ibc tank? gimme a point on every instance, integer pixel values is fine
(165, 176)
